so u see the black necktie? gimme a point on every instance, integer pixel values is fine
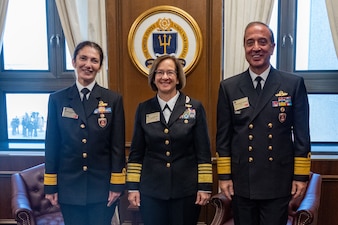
(84, 91)
(166, 113)
(259, 86)
(166, 107)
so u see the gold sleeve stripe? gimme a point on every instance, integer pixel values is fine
(133, 177)
(302, 166)
(118, 178)
(135, 166)
(204, 178)
(50, 179)
(205, 173)
(134, 172)
(205, 166)
(224, 165)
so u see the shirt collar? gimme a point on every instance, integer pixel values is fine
(80, 86)
(171, 103)
(263, 75)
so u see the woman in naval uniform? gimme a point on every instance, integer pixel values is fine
(169, 168)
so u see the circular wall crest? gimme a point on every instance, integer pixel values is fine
(164, 30)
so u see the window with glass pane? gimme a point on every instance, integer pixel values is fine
(29, 120)
(69, 65)
(314, 53)
(25, 44)
(314, 44)
(323, 119)
(32, 63)
(274, 27)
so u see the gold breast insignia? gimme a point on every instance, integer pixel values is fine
(281, 94)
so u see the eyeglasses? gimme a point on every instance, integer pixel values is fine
(169, 73)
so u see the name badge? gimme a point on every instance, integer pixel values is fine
(69, 113)
(153, 117)
(241, 103)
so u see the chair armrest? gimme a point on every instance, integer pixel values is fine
(223, 209)
(307, 213)
(21, 208)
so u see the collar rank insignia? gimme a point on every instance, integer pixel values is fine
(187, 100)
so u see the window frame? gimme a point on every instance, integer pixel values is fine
(316, 81)
(56, 53)
(57, 77)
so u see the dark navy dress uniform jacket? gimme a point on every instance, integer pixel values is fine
(263, 141)
(85, 151)
(173, 160)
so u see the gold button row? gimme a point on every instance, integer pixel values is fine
(251, 126)
(166, 142)
(250, 148)
(251, 159)
(251, 137)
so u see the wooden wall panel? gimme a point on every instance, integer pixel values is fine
(5, 184)
(328, 168)
(329, 201)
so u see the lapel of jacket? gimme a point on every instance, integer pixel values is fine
(75, 102)
(247, 88)
(271, 85)
(178, 109)
(155, 107)
(93, 101)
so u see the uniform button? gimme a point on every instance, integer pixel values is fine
(270, 147)
(250, 137)
(167, 153)
(166, 130)
(82, 126)
(84, 155)
(186, 121)
(168, 165)
(251, 126)
(166, 142)
(85, 168)
(251, 159)
(250, 148)
(84, 140)
(270, 159)
(270, 125)
(270, 136)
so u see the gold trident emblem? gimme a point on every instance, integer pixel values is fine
(165, 43)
